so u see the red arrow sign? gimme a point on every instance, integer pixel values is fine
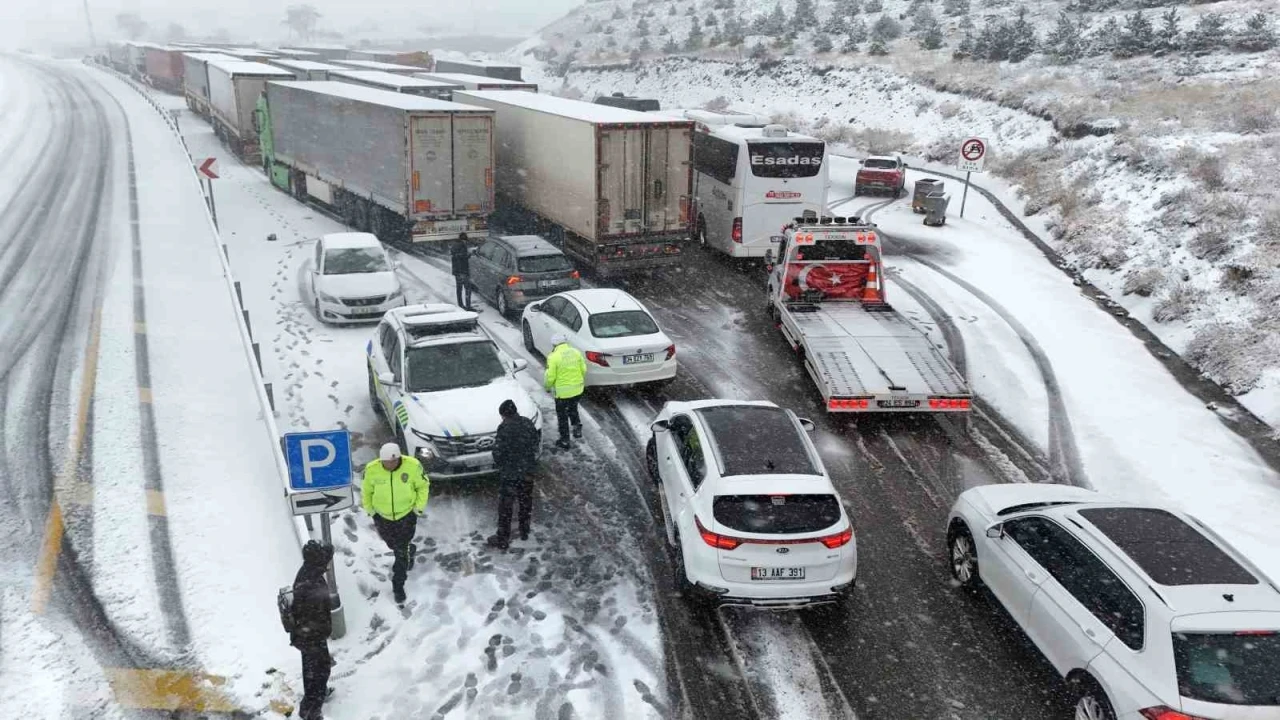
(209, 168)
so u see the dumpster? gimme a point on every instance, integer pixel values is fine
(935, 208)
(924, 187)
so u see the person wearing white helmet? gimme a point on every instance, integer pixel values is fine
(565, 379)
(394, 492)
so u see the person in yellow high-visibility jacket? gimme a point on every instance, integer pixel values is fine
(394, 491)
(565, 379)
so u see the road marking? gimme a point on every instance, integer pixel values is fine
(144, 395)
(168, 690)
(140, 328)
(155, 503)
(66, 484)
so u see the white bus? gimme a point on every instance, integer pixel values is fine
(751, 178)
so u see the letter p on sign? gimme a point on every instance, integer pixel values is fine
(310, 461)
(318, 460)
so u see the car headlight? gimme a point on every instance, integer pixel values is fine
(427, 450)
(325, 297)
(395, 294)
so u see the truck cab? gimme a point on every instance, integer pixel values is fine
(826, 296)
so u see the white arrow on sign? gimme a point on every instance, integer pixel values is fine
(208, 168)
(321, 501)
(973, 154)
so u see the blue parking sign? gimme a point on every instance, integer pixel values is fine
(318, 460)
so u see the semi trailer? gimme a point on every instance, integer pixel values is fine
(396, 83)
(195, 79)
(234, 87)
(493, 70)
(164, 68)
(306, 69)
(479, 82)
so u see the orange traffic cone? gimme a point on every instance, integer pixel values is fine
(871, 292)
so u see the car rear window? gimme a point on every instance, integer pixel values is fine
(544, 263)
(874, 164)
(776, 514)
(1228, 668)
(757, 440)
(786, 159)
(622, 323)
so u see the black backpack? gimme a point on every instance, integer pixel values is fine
(284, 603)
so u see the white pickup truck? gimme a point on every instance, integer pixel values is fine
(826, 295)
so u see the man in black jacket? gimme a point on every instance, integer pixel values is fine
(515, 454)
(312, 624)
(460, 254)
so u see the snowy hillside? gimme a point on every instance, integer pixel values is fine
(1143, 141)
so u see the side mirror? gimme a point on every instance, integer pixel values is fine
(519, 364)
(662, 425)
(768, 257)
(388, 379)
(535, 308)
(905, 166)
(995, 530)
(807, 424)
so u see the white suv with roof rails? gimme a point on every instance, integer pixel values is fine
(747, 506)
(438, 378)
(1146, 612)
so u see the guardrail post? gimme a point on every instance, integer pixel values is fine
(271, 398)
(257, 355)
(226, 253)
(247, 326)
(239, 294)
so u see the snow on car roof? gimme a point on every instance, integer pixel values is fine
(576, 109)
(375, 96)
(602, 300)
(379, 65)
(381, 77)
(307, 65)
(350, 240)
(235, 66)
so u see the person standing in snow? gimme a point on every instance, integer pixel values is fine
(460, 255)
(394, 492)
(515, 455)
(312, 624)
(565, 379)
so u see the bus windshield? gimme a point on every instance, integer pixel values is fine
(786, 159)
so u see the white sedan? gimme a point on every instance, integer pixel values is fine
(622, 343)
(748, 509)
(352, 279)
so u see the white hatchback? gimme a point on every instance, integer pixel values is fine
(748, 509)
(620, 339)
(1144, 610)
(352, 279)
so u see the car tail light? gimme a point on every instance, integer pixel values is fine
(949, 403)
(671, 249)
(737, 230)
(839, 539)
(598, 358)
(671, 351)
(514, 279)
(1166, 713)
(848, 403)
(575, 275)
(1255, 632)
(684, 209)
(715, 540)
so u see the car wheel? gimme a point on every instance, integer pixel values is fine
(1092, 704)
(963, 556)
(527, 332)
(856, 191)
(702, 235)
(691, 593)
(319, 315)
(651, 460)
(503, 307)
(373, 398)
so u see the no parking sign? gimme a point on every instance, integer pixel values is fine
(973, 154)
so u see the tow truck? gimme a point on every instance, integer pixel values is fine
(826, 296)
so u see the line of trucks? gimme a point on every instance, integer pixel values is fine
(610, 185)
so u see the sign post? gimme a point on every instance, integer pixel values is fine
(320, 482)
(208, 170)
(973, 156)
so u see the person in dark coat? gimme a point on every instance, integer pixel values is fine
(460, 254)
(312, 625)
(515, 454)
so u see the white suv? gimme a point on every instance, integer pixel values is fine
(748, 508)
(438, 378)
(1147, 612)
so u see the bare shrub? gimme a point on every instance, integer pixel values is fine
(1179, 299)
(922, 105)
(834, 133)
(1236, 278)
(787, 119)
(1253, 114)
(950, 109)
(1232, 354)
(719, 103)
(1212, 242)
(877, 140)
(1209, 170)
(1143, 282)
(1268, 231)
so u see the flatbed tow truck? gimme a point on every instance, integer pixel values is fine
(826, 296)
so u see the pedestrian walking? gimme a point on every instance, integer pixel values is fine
(565, 379)
(461, 257)
(515, 454)
(312, 625)
(394, 491)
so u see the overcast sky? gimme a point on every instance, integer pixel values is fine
(30, 21)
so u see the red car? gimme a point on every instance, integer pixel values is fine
(881, 173)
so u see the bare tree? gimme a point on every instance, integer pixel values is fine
(131, 24)
(302, 20)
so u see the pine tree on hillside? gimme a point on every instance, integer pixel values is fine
(877, 46)
(836, 23)
(617, 13)
(805, 16)
(776, 24)
(887, 28)
(913, 7)
(633, 57)
(850, 45)
(931, 38)
(995, 42)
(964, 51)
(822, 43)
(735, 31)
(955, 7)
(760, 25)
(1169, 36)
(642, 27)
(1210, 34)
(858, 30)
(692, 11)
(1103, 40)
(695, 37)
(1023, 40)
(672, 11)
(758, 52)
(1256, 35)
(874, 6)
(849, 8)
(711, 20)
(1138, 38)
(1066, 43)
(645, 46)
(923, 19)
(670, 47)
(966, 23)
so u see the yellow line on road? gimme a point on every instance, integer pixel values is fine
(66, 481)
(144, 395)
(155, 503)
(168, 690)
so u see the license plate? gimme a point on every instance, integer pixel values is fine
(775, 573)
(480, 464)
(371, 310)
(898, 403)
(777, 238)
(548, 283)
(450, 225)
(637, 359)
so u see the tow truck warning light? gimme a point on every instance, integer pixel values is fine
(862, 238)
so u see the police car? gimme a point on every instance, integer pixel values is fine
(438, 378)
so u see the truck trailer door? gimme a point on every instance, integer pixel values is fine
(622, 180)
(668, 191)
(431, 175)
(473, 163)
